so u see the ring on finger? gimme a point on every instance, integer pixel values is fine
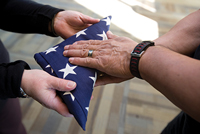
(90, 52)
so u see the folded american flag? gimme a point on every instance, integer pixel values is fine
(53, 62)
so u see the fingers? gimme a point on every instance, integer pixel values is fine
(85, 46)
(110, 35)
(91, 44)
(81, 53)
(89, 20)
(107, 79)
(86, 62)
(60, 107)
(62, 84)
(81, 48)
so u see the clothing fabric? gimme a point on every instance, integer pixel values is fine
(23, 16)
(183, 123)
(10, 112)
(11, 118)
(26, 16)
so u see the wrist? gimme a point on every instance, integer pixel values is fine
(51, 25)
(136, 56)
(147, 61)
(24, 81)
(23, 93)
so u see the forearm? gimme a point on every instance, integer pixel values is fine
(184, 37)
(176, 76)
(26, 16)
(10, 79)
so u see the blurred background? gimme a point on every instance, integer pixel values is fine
(131, 107)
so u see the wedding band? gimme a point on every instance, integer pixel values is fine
(90, 53)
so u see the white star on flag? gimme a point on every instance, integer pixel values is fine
(81, 32)
(107, 20)
(72, 96)
(53, 62)
(103, 35)
(94, 78)
(50, 67)
(68, 70)
(87, 108)
(51, 50)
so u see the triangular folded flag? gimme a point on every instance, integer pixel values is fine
(53, 62)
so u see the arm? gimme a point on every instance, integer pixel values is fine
(10, 78)
(26, 16)
(42, 87)
(165, 66)
(176, 76)
(184, 37)
(36, 83)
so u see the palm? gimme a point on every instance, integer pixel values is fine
(67, 23)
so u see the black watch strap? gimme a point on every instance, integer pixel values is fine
(135, 57)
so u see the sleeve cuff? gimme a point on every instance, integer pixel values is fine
(45, 16)
(10, 79)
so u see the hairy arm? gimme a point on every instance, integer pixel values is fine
(170, 70)
(176, 76)
(184, 37)
(166, 66)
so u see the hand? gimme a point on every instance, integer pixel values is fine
(110, 56)
(107, 79)
(67, 23)
(42, 87)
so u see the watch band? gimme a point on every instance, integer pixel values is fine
(135, 57)
(23, 93)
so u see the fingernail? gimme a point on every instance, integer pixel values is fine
(71, 84)
(92, 97)
(69, 115)
(71, 60)
(65, 52)
(66, 47)
(109, 32)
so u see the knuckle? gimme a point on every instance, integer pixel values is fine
(69, 46)
(101, 52)
(100, 62)
(87, 61)
(91, 42)
(83, 53)
(77, 43)
(85, 46)
(59, 83)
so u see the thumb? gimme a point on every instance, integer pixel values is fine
(62, 84)
(110, 35)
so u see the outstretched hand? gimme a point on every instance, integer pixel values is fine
(67, 23)
(42, 87)
(111, 57)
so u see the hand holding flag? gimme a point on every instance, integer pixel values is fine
(53, 62)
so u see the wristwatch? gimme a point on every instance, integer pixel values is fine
(23, 94)
(136, 55)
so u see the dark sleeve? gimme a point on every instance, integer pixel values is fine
(197, 53)
(10, 78)
(26, 16)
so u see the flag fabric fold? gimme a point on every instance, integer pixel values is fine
(53, 62)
